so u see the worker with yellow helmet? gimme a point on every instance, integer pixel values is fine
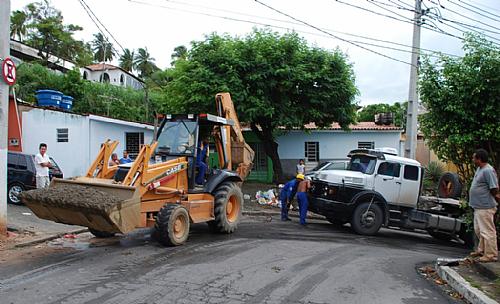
(287, 194)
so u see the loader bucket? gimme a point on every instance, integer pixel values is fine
(90, 202)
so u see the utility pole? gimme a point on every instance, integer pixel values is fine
(412, 111)
(4, 113)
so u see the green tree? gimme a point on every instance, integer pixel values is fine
(180, 53)
(144, 63)
(103, 49)
(368, 112)
(127, 60)
(275, 81)
(461, 96)
(48, 34)
(18, 27)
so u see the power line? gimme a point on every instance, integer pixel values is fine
(462, 15)
(334, 36)
(105, 28)
(483, 5)
(476, 12)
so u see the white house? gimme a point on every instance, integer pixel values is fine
(74, 140)
(103, 72)
(315, 145)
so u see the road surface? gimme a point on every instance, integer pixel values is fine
(265, 261)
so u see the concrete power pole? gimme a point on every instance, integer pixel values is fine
(412, 111)
(4, 113)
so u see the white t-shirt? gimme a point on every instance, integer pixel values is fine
(39, 159)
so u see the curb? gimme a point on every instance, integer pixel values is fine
(457, 282)
(278, 213)
(49, 238)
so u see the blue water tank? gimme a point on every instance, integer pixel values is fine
(49, 98)
(67, 102)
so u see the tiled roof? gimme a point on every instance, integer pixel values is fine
(363, 125)
(100, 67)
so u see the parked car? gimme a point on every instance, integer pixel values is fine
(329, 165)
(21, 174)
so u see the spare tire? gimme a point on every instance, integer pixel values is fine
(449, 186)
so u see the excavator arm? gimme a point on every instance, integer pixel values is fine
(238, 154)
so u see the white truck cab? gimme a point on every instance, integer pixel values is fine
(378, 188)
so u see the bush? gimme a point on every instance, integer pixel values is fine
(433, 173)
(90, 97)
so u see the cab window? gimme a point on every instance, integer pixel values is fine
(389, 169)
(411, 172)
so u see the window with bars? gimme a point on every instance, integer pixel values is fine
(63, 135)
(366, 144)
(134, 142)
(260, 159)
(311, 151)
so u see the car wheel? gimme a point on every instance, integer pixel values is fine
(13, 192)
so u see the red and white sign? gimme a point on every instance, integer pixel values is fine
(9, 71)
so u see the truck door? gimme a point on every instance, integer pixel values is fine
(410, 187)
(388, 181)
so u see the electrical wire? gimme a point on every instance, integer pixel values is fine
(462, 15)
(483, 5)
(330, 34)
(475, 12)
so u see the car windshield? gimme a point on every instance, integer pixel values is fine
(335, 166)
(362, 163)
(177, 137)
(319, 166)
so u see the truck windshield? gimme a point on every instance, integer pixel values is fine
(362, 163)
(177, 137)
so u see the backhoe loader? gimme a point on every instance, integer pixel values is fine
(158, 188)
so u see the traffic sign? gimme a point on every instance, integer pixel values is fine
(9, 71)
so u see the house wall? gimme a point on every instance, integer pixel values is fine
(114, 78)
(40, 125)
(333, 145)
(101, 131)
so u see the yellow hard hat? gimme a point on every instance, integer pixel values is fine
(299, 176)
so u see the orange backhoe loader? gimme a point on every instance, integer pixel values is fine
(158, 189)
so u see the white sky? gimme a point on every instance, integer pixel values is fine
(161, 25)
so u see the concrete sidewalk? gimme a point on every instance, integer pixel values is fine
(31, 230)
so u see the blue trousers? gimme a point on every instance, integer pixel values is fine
(303, 204)
(284, 197)
(200, 177)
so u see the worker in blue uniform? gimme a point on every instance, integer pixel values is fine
(287, 194)
(302, 189)
(201, 162)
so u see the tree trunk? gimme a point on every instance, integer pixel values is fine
(265, 134)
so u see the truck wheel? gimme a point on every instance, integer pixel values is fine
(228, 205)
(442, 236)
(101, 234)
(449, 186)
(367, 221)
(172, 225)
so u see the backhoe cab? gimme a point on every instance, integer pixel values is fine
(158, 189)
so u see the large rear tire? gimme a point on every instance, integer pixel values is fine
(101, 234)
(172, 225)
(228, 206)
(367, 219)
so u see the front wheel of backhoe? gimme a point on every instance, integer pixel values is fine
(228, 205)
(172, 225)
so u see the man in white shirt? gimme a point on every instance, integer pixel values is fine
(42, 165)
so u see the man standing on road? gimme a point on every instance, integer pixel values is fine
(287, 194)
(483, 198)
(42, 165)
(302, 189)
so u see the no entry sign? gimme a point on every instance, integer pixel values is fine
(9, 71)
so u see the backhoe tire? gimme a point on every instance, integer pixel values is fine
(367, 221)
(449, 186)
(101, 234)
(228, 206)
(172, 225)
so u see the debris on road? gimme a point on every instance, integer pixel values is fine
(267, 198)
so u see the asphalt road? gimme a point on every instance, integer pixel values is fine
(265, 261)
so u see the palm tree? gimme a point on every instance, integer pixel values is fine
(144, 63)
(103, 49)
(127, 60)
(18, 25)
(180, 53)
